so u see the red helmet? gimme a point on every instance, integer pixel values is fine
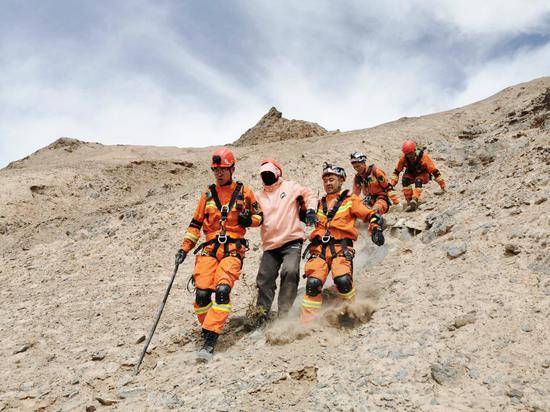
(223, 158)
(408, 147)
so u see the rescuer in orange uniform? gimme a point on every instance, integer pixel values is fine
(331, 247)
(224, 212)
(419, 169)
(373, 183)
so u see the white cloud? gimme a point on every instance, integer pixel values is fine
(491, 16)
(343, 67)
(498, 74)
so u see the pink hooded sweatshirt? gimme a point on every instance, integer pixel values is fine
(279, 204)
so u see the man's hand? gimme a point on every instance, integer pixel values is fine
(180, 256)
(377, 237)
(367, 201)
(244, 219)
(311, 217)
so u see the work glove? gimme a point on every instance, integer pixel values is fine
(244, 219)
(311, 217)
(367, 201)
(377, 237)
(442, 185)
(392, 195)
(376, 222)
(180, 256)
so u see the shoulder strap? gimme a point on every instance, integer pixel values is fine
(370, 171)
(234, 195)
(336, 206)
(419, 157)
(215, 196)
(225, 210)
(324, 205)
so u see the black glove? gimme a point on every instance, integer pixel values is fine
(377, 237)
(244, 219)
(180, 256)
(367, 201)
(378, 220)
(311, 217)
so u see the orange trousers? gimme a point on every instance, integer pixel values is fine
(319, 268)
(380, 205)
(210, 272)
(412, 185)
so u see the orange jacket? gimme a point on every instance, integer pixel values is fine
(207, 215)
(375, 183)
(425, 164)
(342, 224)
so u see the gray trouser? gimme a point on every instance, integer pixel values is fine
(287, 259)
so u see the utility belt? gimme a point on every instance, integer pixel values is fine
(223, 240)
(328, 242)
(370, 200)
(417, 172)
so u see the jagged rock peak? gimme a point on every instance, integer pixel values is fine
(273, 127)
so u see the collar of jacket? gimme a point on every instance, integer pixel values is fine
(230, 185)
(274, 186)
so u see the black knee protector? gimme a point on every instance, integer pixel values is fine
(405, 181)
(418, 182)
(222, 294)
(343, 283)
(313, 286)
(203, 297)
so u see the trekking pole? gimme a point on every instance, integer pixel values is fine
(159, 312)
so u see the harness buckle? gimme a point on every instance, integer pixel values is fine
(222, 239)
(326, 238)
(224, 209)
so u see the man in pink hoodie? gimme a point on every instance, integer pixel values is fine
(285, 205)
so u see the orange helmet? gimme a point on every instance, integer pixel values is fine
(408, 147)
(223, 158)
(274, 162)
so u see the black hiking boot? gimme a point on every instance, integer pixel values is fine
(207, 351)
(256, 318)
(346, 321)
(413, 205)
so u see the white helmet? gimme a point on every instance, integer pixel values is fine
(358, 157)
(329, 169)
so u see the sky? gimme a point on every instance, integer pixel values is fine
(200, 73)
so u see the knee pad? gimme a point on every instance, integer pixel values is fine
(418, 182)
(222, 294)
(406, 181)
(203, 297)
(343, 283)
(313, 286)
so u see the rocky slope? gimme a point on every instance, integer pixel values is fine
(273, 127)
(460, 290)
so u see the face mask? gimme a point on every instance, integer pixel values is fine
(268, 178)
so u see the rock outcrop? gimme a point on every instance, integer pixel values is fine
(273, 127)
